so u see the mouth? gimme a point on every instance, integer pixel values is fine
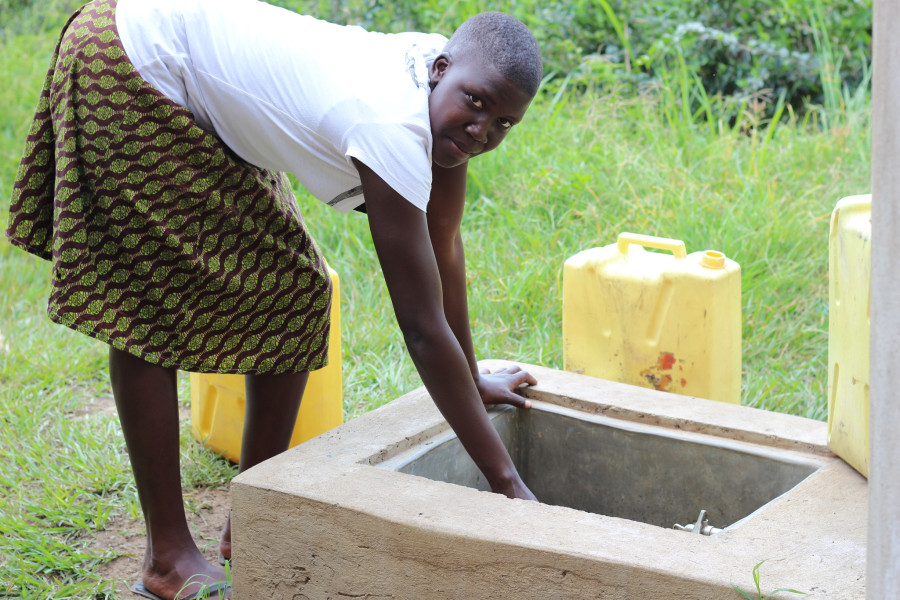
(462, 149)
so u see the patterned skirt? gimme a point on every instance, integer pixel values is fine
(163, 242)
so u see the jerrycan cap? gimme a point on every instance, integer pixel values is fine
(712, 259)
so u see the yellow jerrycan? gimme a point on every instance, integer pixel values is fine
(849, 276)
(218, 400)
(665, 320)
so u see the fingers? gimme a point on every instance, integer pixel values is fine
(517, 378)
(522, 376)
(500, 387)
(517, 401)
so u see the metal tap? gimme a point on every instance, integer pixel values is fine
(701, 527)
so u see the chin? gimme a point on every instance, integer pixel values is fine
(448, 162)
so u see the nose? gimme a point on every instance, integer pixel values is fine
(478, 130)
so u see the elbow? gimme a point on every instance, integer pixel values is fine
(422, 335)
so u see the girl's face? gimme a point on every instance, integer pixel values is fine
(472, 107)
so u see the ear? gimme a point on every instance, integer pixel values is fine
(438, 68)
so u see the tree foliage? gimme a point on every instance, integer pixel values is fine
(738, 48)
(743, 49)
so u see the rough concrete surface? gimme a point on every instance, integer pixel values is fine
(321, 521)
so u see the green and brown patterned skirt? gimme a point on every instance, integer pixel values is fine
(163, 242)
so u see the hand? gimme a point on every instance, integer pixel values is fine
(497, 387)
(514, 488)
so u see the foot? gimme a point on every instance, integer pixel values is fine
(225, 542)
(181, 577)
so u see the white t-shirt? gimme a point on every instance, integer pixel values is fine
(292, 93)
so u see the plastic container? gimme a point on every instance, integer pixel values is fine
(849, 275)
(669, 321)
(218, 400)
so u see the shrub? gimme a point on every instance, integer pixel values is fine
(745, 49)
(739, 48)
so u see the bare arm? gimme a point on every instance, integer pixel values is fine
(403, 244)
(445, 211)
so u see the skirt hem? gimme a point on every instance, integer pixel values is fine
(171, 362)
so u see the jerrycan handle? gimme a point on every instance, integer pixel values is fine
(676, 247)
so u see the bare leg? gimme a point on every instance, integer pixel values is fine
(147, 401)
(271, 412)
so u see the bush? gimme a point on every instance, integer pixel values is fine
(738, 48)
(33, 16)
(743, 49)
(749, 49)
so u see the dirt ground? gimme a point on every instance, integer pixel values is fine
(127, 537)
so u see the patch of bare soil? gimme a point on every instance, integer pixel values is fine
(206, 510)
(126, 537)
(100, 405)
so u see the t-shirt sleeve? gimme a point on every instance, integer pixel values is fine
(399, 153)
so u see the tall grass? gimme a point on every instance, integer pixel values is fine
(672, 161)
(583, 168)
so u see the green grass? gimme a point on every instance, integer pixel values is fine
(580, 169)
(759, 593)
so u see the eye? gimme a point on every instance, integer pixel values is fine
(504, 123)
(475, 100)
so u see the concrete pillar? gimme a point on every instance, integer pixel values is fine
(883, 552)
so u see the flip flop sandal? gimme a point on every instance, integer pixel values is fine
(141, 590)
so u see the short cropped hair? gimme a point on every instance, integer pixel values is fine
(503, 41)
